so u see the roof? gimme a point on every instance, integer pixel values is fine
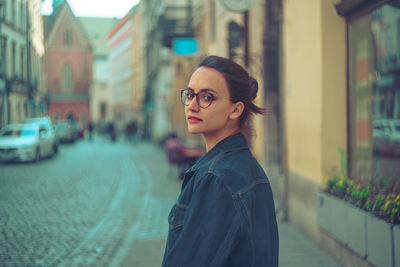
(52, 23)
(122, 21)
(97, 29)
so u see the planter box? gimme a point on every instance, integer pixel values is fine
(332, 216)
(396, 245)
(357, 230)
(324, 203)
(379, 242)
(343, 221)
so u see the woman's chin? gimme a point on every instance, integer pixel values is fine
(193, 130)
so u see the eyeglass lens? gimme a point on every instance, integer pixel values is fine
(203, 98)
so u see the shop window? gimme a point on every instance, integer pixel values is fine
(374, 94)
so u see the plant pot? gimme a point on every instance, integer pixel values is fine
(396, 245)
(332, 216)
(379, 242)
(357, 230)
(324, 203)
(343, 221)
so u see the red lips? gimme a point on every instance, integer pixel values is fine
(193, 119)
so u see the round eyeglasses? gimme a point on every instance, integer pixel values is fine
(203, 98)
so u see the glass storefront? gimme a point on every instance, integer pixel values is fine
(374, 96)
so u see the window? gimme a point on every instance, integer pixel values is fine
(67, 79)
(4, 10)
(3, 54)
(213, 23)
(67, 38)
(13, 15)
(25, 109)
(22, 63)
(21, 15)
(13, 58)
(374, 94)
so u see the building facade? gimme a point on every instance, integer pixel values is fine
(125, 99)
(21, 55)
(36, 74)
(69, 62)
(97, 30)
(327, 73)
(339, 103)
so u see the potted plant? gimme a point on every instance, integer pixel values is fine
(364, 215)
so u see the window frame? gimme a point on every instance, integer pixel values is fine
(353, 10)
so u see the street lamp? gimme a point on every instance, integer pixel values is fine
(235, 33)
(2, 67)
(1, 39)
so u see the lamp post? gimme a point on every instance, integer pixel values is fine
(1, 44)
(2, 67)
(242, 6)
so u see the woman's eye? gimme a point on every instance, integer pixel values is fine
(208, 97)
(190, 96)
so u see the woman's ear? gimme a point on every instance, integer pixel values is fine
(238, 108)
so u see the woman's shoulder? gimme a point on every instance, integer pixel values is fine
(237, 169)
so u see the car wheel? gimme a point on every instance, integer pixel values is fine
(55, 149)
(37, 155)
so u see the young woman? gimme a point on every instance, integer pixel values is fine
(225, 214)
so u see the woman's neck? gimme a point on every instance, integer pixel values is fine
(213, 139)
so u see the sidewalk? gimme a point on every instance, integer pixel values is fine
(295, 249)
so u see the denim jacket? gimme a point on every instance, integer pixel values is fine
(225, 214)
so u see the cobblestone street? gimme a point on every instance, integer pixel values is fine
(103, 204)
(95, 204)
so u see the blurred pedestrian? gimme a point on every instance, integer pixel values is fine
(111, 132)
(225, 214)
(130, 132)
(90, 129)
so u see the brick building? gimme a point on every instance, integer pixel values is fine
(68, 65)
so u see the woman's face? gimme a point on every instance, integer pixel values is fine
(214, 120)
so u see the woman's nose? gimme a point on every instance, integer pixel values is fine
(193, 105)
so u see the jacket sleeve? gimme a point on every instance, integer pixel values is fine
(209, 227)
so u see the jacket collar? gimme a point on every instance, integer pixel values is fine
(231, 143)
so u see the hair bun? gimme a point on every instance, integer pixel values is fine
(253, 86)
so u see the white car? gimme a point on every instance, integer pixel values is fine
(24, 142)
(46, 123)
(386, 133)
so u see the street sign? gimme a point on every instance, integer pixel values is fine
(185, 46)
(237, 5)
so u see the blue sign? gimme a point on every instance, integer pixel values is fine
(185, 46)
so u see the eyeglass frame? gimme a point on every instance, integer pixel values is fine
(197, 98)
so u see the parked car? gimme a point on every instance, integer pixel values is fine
(386, 133)
(65, 131)
(77, 128)
(25, 142)
(47, 124)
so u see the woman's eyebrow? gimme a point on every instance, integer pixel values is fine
(205, 89)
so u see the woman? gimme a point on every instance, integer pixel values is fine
(225, 213)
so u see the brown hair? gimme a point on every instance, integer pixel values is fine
(242, 87)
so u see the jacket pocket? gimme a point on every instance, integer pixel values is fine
(177, 216)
